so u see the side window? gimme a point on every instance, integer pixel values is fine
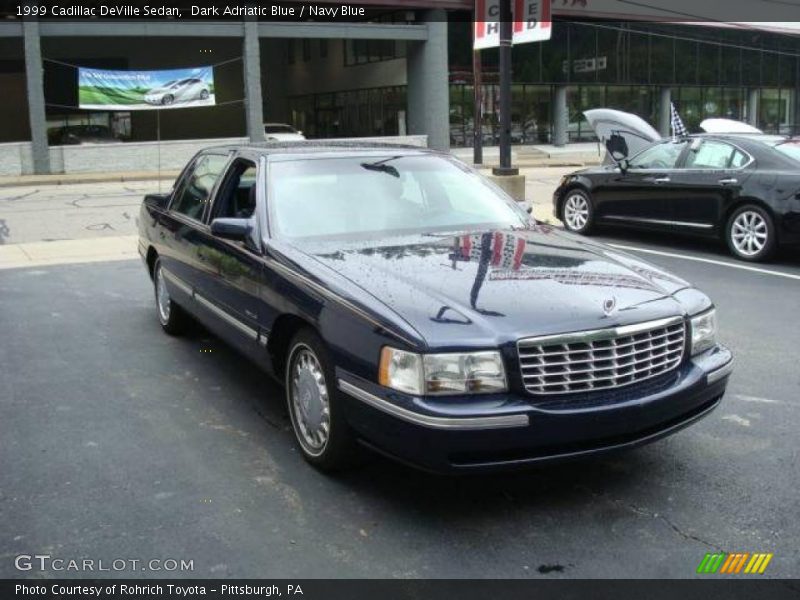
(660, 156)
(710, 155)
(739, 159)
(237, 197)
(191, 197)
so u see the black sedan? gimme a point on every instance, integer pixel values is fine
(410, 306)
(743, 189)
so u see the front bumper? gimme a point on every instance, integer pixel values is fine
(506, 431)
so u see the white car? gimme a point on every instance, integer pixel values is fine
(280, 132)
(178, 90)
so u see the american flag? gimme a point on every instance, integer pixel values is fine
(678, 128)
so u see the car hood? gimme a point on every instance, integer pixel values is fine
(621, 132)
(285, 137)
(157, 91)
(490, 287)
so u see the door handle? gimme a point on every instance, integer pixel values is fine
(729, 181)
(661, 180)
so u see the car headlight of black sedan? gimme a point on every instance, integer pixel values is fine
(441, 374)
(704, 331)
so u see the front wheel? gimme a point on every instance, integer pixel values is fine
(168, 99)
(750, 233)
(577, 212)
(314, 405)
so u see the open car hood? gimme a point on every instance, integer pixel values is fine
(727, 126)
(622, 134)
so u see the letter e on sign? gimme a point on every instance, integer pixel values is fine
(532, 21)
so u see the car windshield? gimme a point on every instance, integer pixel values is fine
(790, 149)
(279, 129)
(364, 197)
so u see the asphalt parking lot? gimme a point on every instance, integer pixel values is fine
(119, 442)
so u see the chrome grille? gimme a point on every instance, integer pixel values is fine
(601, 359)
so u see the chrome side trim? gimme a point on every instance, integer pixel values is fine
(450, 423)
(178, 282)
(227, 317)
(660, 222)
(723, 371)
(599, 334)
(322, 290)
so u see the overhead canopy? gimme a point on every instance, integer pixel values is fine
(622, 134)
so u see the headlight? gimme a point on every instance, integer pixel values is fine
(440, 374)
(704, 331)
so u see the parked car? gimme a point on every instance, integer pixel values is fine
(178, 90)
(741, 188)
(280, 132)
(82, 134)
(409, 305)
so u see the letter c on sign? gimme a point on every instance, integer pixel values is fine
(23, 562)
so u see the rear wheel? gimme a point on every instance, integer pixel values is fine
(577, 212)
(172, 317)
(750, 233)
(315, 406)
(204, 95)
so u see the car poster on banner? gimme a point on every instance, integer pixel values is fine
(145, 90)
(532, 22)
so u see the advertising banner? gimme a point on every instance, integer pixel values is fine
(101, 89)
(532, 22)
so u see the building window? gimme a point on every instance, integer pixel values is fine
(360, 52)
(306, 50)
(323, 48)
(290, 52)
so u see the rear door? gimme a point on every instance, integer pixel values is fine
(184, 222)
(642, 195)
(709, 180)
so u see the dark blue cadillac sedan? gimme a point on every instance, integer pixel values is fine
(409, 305)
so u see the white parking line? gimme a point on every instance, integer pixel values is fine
(707, 260)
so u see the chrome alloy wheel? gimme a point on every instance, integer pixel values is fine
(162, 297)
(310, 403)
(749, 233)
(576, 211)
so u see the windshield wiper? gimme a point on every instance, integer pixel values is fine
(381, 166)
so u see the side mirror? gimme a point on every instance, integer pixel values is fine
(624, 165)
(231, 229)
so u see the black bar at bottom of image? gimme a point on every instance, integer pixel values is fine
(435, 589)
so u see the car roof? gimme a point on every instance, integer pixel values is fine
(323, 149)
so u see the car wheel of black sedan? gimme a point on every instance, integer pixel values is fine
(577, 212)
(314, 406)
(171, 316)
(750, 233)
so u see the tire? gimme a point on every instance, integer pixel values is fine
(168, 99)
(204, 95)
(750, 233)
(577, 212)
(173, 318)
(313, 401)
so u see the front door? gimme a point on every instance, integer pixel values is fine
(231, 279)
(642, 194)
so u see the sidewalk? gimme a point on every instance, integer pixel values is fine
(73, 178)
(40, 254)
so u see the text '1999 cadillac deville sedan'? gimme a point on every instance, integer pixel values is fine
(409, 305)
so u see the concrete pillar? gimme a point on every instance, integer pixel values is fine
(560, 116)
(40, 152)
(428, 88)
(752, 107)
(253, 105)
(665, 112)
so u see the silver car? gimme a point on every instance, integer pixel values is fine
(178, 90)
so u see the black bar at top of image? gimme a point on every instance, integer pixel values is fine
(436, 589)
(738, 13)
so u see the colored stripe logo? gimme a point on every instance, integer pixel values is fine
(734, 563)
